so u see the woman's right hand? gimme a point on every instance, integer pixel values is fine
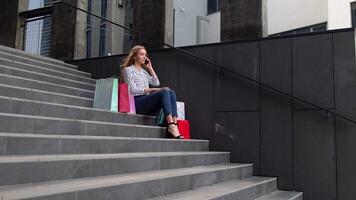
(156, 89)
(149, 90)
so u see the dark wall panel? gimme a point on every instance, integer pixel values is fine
(313, 69)
(345, 87)
(242, 58)
(234, 93)
(238, 132)
(346, 138)
(103, 67)
(314, 155)
(275, 71)
(206, 52)
(345, 73)
(276, 60)
(276, 138)
(196, 90)
(166, 67)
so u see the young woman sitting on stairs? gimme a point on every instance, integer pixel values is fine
(138, 73)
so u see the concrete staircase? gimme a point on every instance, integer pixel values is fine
(53, 145)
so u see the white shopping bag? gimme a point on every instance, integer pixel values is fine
(180, 110)
(106, 94)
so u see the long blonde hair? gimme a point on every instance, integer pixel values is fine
(130, 59)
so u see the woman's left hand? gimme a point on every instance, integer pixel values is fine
(150, 68)
(149, 64)
(165, 88)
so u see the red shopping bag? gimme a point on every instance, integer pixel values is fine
(125, 100)
(184, 128)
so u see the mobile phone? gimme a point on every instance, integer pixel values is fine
(146, 61)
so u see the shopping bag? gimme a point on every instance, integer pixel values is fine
(132, 104)
(180, 110)
(184, 128)
(161, 121)
(126, 101)
(105, 96)
(123, 98)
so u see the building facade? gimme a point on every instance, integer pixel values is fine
(102, 37)
(64, 32)
(302, 16)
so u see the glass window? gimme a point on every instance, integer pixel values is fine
(309, 29)
(89, 40)
(320, 27)
(34, 4)
(353, 14)
(104, 7)
(303, 30)
(89, 9)
(102, 40)
(45, 2)
(213, 6)
(37, 38)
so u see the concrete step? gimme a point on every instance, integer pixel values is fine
(39, 108)
(44, 77)
(15, 54)
(40, 144)
(16, 123)
(241, 189)
(26, 54)
(33, 169)
(40, 95)
(283, 195)
(41, 85)
(43, 70)
(141, 185)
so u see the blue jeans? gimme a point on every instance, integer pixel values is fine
(153, 102)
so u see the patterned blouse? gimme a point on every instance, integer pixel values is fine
(138, 80)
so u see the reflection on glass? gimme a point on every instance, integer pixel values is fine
(38, 34)
(34, 4)
(309, 29)
(102, 41)
(353, 14)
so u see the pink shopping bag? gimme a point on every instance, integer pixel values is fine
(126, 101)
(132, 104)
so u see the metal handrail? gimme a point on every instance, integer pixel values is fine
(216, 66)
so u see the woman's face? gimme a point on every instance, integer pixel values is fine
(141, 56)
